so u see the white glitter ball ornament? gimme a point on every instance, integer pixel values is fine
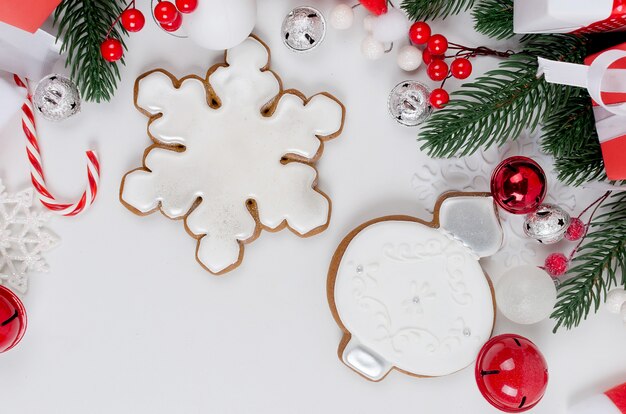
(615, 299)
(372, 49)
(526, 294)
(341, 17)
(390, 26)
(219, 25)
(304, 28)
(56, 98)
(409, 58)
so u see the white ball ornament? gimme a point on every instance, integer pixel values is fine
(219, 25)
(372, 49)
(341, 17)
(390, 26)
(526, 294)
(623, 313)
(409, 58)
(614, 300)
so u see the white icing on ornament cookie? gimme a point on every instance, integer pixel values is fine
(412, 295)
(233, 154)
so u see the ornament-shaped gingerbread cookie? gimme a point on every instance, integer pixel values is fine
(233, 154)
(411, 295)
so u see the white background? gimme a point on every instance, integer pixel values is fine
(126, 321)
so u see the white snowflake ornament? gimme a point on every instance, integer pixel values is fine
(233, 154)
(23, 238)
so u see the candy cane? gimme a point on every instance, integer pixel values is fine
(36, 169)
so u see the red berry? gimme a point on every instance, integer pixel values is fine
(556, 264)
(165, 12)
(437, 44)
(376, 7)
(437, 69)
(133, 20)
(427, 57)
(186, 6)
(111, 50)
(12, 319)
(461, 68)
(439, 98)
(174, 25)
(576, 229)
(419, 33)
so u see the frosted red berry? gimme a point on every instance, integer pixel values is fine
(111, 50)
(461, 68)
(556, 264)
(437, 44)
(576, 229)
(437, 69)
(132, 20)
(174, 25)
(419, 33)
(186, 6)
(165, 12)
(439, 98)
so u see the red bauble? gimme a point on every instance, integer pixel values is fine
(511, 373)
(461, 68)
(186, 6)
(132, 20)
(518, 185)
(576, 229)
(556, 264)
(12, 319)
(173, 26)
(437, 44)
(437, 69)
(439, 98)
(165, 12)
(376, 7)
(419, 33)
(111, 50)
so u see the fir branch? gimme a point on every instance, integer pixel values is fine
(598, 265)
(430, 9)
(501, 104)
(82, 27)
(494, 18)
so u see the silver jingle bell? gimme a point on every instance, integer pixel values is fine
(409, 103)
(548, 224)
(56, 98)
(303, 29)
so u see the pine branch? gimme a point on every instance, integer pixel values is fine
(598, 265)
(430, 9)
(494, 18)
(82, 27)
(501, 104)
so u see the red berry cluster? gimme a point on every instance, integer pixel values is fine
(434, 56)
(166, 13)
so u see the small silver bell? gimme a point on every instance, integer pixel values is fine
(303, 29)
(548, 224)
(408, 103)
(56, 98)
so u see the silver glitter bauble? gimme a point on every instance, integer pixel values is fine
(56, 98)
(548, 224)
(303, 29)
(408, 103)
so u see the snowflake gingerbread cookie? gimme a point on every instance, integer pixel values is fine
(411, 295)
(233, 154)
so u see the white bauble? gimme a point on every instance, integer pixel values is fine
(368, 23)
(219, 24)
(409, 58)
(341, 17)
(526, 294)
(623, 313)
(390, 26)
(372, 49)
(615, 299)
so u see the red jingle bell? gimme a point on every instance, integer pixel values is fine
(518, 185)
(12, 319)
(511, 373)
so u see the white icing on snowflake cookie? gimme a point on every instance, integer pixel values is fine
(233, 154)
(412, 295)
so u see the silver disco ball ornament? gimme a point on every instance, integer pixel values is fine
(408, 103)
(303, 29)
(56, 98)
(548, 224)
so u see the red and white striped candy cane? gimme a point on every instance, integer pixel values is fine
(36, 169)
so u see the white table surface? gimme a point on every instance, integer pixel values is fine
(127, 321)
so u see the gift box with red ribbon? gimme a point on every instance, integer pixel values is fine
(568, 16)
